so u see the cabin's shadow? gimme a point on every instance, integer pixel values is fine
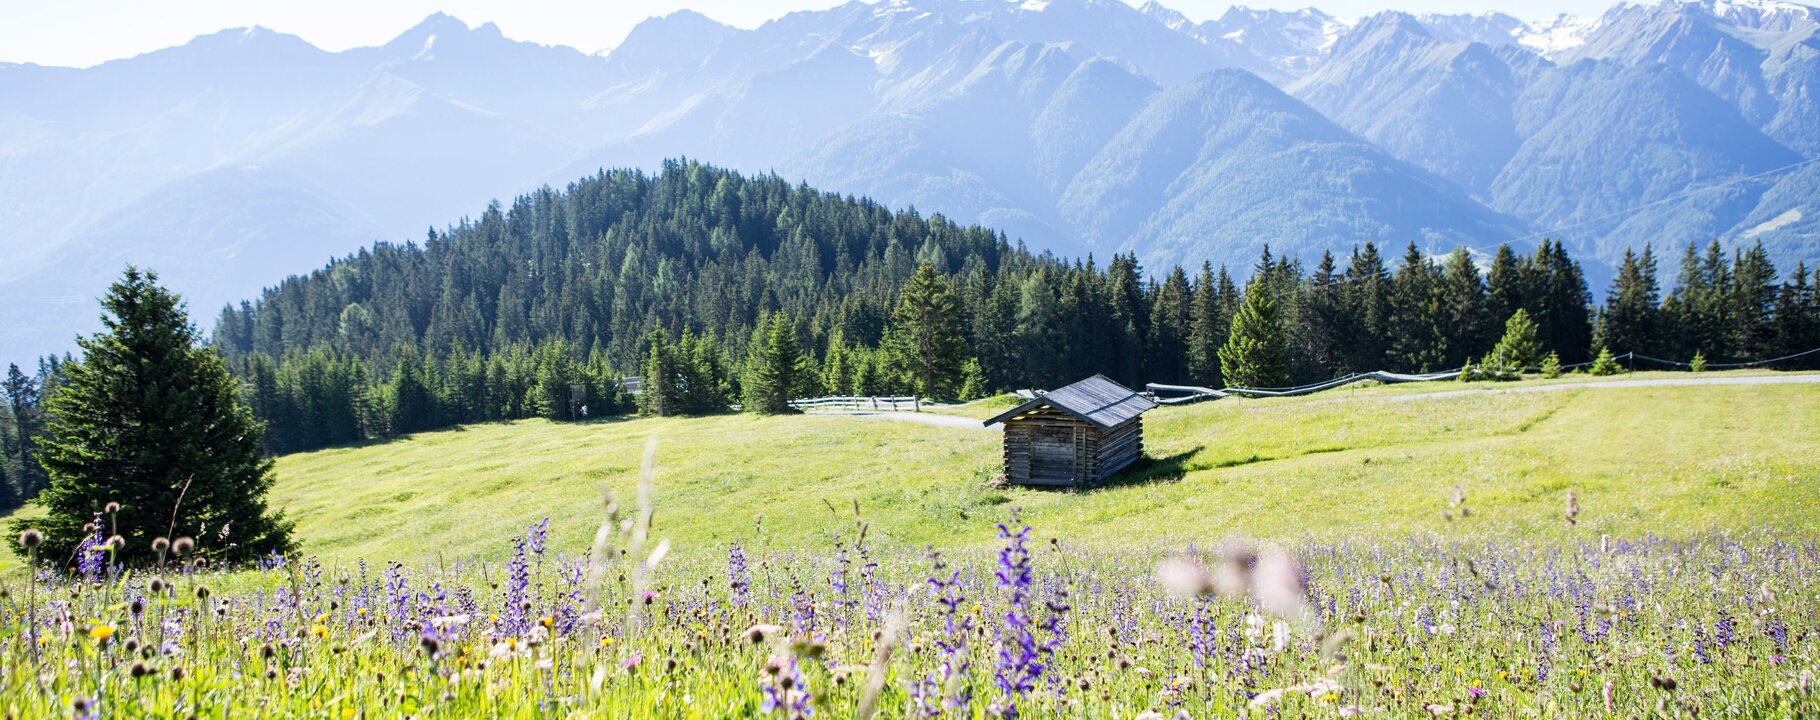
(1151, 471)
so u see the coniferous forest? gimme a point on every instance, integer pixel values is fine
(714, 288)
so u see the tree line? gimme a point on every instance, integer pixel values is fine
(715, 289)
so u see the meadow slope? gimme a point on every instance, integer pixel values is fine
(1366, 462)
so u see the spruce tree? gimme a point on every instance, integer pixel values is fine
(1521, 346)
(1753, 302)
(1468, 325)
(973, 380)
(1170, 326)
(1256, 353)
(1416, 343)
(150, 419)
(1206, 330)
(659, 394)
(24, 398)
(1039, 334)
(1628, 320)
(776, 368)
(1315, 349)
(925, 343)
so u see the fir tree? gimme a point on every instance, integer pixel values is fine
(1256, 353)
(1605, 364)
(1628, 320)
(973, 380)
(660, 394)
(24, 398)
(1170, 327)
(1039, 334)
(1207, 326)
(925, 343)
(1753, 302)
(150, 419)
(1416, 341)
(776, 368)
(1521, 346)
(1467, 320)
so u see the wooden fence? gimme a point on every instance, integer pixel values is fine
(859, 402)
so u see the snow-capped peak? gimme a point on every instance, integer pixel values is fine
(1558, 34)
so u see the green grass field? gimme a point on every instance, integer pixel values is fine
(435, 592)
(1366, 462)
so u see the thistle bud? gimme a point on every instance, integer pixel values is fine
(31, 538)
(160, 545)
(183, 545)
(111, 508)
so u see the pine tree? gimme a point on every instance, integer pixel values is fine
(1170, 327)
(1797, 320)
(1605, 364)
(925, 343)
(1039, 334)
(777, 370)
(1256, 353)
(1508, 285)
(412, 404)
(1562, 307)
(1315, 345)
(24, 399)
(1416, 343)
(659, 391)
(1206, 329)
(1551, 365)
(1467, 320)
(1753, 302)
(1368, 321)
(837, 368)
(973, 380)
(150, 419)
(1521, 346)
(1628, 320)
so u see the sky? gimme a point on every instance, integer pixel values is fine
(81, 33)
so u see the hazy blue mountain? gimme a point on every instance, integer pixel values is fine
(1446, 106)
(1073, 125)
(1231, 154)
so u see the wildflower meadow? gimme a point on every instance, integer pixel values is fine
(1429, 626)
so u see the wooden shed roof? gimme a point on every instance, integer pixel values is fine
(1096, 400)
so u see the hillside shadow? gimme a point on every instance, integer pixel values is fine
(1151, 471)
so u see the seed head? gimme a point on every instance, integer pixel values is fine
(183, 545)
(177, 672)
(157, 585)
(202, 592)
(116, 543)
(31, 538)
(111, 508)
(140, 670)
(159, 545)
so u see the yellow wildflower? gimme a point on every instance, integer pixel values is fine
(319, 630)
(102, 631)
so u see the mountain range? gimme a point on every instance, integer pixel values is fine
(1075, 126)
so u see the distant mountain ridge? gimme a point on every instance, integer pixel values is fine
(1078, 126)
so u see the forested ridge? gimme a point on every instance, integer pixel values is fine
(720, 288)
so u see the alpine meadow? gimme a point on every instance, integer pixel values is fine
(909, 359)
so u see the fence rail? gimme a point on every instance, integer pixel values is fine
(859, 402)
(1193, 393)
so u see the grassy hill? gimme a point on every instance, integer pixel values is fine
(1373, 461)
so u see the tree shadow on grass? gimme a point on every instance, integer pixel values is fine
(1151, 471)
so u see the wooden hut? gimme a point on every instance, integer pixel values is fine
(1074, 436)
